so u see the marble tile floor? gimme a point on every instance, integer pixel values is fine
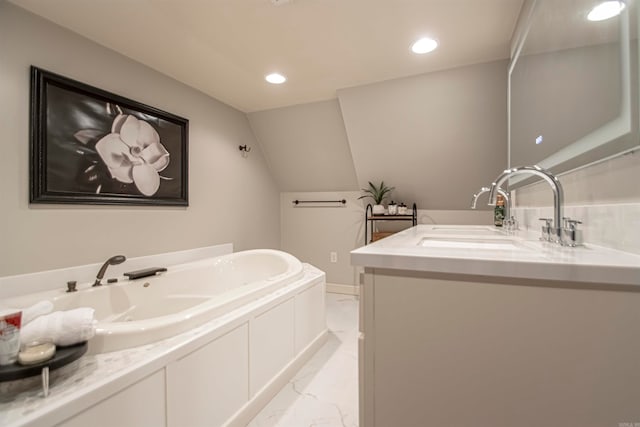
(324, 393)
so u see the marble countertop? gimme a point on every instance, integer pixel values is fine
(488, 251)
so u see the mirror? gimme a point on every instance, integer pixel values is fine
(573, 90)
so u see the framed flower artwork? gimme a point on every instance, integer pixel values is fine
(89, 146)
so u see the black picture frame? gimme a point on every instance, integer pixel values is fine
(90, 146)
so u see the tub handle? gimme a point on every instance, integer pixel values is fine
(139, 274)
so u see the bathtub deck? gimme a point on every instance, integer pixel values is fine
(325, 391)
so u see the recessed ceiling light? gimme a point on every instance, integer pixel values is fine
(275, 78)
(424, 45)
(606, 10)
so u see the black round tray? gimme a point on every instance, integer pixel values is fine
(63, 356)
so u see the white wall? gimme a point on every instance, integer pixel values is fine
(232, 199)
(436, 137)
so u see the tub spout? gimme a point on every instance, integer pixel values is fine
(114, 260)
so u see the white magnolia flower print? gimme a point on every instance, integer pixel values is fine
(133, 153)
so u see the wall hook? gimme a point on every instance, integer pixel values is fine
(244, 148)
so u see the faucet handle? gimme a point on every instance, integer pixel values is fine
(570, 224)
(71, 286)
(573, 223)
(546, 229)
(571, 236)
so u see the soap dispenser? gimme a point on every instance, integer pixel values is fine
(498, 212)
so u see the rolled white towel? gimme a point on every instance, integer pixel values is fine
(36, 310)
(63, 327)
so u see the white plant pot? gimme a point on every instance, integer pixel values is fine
(378, 209)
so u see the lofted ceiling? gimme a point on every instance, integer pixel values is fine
(224, 48)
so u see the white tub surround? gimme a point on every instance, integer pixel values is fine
(466, 325)
(218, 373)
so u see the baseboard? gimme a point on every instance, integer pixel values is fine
(336, 288)
(273, 387)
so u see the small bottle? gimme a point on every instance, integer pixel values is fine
(498, 212)
(402, 209)
(393, 208)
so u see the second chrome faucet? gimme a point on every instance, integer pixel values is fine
(510, 221)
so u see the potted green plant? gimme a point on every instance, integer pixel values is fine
(378, 194)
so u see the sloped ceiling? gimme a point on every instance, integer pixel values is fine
(437, 137)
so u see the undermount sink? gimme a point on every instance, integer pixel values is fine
(467, 230)
(501, 243)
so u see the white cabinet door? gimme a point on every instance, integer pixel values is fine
(310, 316)
(139, 405)
(208, 386)
(272, 336)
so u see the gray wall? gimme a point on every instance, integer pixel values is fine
(306, 147)
(436, 137)
(311, 232)
(232, 199)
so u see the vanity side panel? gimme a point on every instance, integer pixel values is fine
(456, 353)
(366, 350)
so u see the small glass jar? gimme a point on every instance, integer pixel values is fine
(10, 321)
(402, 209)
(393, 208)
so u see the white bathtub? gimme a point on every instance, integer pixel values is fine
(136, 312)
(221, 372)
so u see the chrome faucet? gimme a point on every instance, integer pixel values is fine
(558, 195)
(507, 201)
(114, 260)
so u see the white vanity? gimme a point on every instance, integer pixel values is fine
(470, 325)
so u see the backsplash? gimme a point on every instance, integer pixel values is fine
(605, 197)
